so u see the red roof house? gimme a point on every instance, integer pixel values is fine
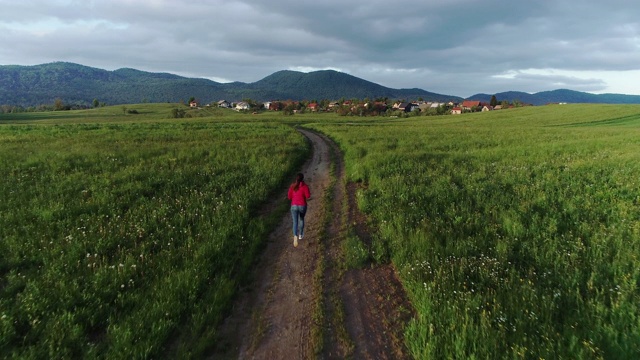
(468, 104)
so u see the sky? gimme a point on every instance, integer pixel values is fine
(452, 47)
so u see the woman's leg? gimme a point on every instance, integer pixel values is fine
(294, 216)
(302, 212)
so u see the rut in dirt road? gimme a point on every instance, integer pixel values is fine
(303, 304)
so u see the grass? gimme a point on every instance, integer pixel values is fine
(118, 235)
(516, 232)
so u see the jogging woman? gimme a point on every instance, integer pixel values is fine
(298, 194)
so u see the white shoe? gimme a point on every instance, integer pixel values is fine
(295, 241)
(300, 237)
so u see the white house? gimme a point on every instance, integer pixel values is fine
(242, 106)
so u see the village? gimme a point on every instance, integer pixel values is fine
(364, 108)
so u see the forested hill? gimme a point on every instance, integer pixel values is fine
(78, 84)
(560, 96)
(329, 84)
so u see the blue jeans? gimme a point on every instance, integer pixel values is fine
(297, 213)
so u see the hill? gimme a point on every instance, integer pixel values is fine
(330, 84)
(560, 96)
(78, 84)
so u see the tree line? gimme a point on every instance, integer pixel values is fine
(57, 105)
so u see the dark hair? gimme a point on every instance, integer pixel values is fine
(299, 179)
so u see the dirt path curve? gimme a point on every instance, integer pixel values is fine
(302, 305)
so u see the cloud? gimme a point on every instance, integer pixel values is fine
(451, 46)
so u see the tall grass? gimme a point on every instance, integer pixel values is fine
(516, 233)
(117, 237)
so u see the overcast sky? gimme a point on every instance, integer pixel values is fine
(453, 47)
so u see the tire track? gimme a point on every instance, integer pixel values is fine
(361, 309)
(272, 319)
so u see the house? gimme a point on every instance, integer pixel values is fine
(456, 111)
(313, 107)
(267, 105)
(275, 105)
(241, 106)
(193, 104)
(469, 104)
(424, 106)
(380, 106)
(497, 107)
(224, 104)
(487, 108)
(407, 107)
(333, 104)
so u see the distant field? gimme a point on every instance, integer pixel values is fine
(126, 239)
(516, 232)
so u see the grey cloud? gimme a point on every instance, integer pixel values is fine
(453, 47)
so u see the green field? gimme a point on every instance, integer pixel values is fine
(123, 239)
(516, 232)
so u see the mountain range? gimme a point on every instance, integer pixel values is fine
(79, 84)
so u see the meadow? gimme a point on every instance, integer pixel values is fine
(126, 236)
(516, 233)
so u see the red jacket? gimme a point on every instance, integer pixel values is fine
(300, 196)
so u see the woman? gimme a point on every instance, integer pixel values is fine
(298, 194)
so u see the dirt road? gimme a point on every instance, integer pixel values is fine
(304, 304)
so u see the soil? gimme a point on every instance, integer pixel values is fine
(303, 303)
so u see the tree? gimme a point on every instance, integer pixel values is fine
(494, 101)
(58, 105)
(177, 113)
(252, 103)
(288, 110)
(96, 103)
